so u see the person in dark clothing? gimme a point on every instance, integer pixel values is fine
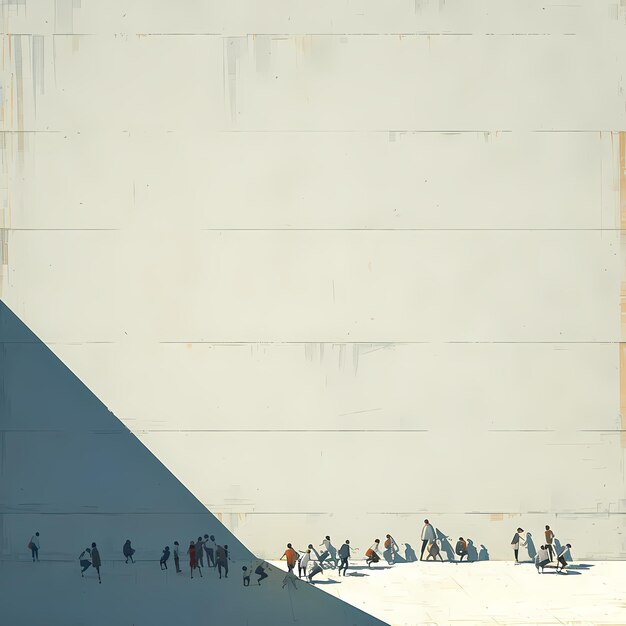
(128, 551)
(461, 548)
(549, 540)
(165, 556)
(344, 555)
(200, 551)
(96, 562)
(561, 562)
(193, 561)
(261, 573)
(85, 561)
(33, 545)
(177, 557)
(222, 560)
(517, 539)
(246, 576)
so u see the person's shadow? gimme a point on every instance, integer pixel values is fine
(483, 555)
(558, 547)
(472, 553)
(409, 553)
(530, 546)
(446, 546)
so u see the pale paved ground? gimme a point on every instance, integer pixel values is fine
(492, 592)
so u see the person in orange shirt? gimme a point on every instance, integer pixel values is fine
(371, 556)
(292, 557)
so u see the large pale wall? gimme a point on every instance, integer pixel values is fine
(337, 264)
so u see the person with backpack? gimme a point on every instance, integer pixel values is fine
(372, 554)
(164, 557)
(96, 562)
(461, 548)
(85, 561)
(33, 546)
(128, 551)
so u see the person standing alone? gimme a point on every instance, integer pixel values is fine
(428, 535)
(33, 544)
(549, 540)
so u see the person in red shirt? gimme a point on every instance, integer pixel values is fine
(193, 560)
(292, 557)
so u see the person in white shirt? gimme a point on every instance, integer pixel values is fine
(428, 535)
(34, 546)
(542, 559)
(329, 551)
(303, 562)
(372, 555)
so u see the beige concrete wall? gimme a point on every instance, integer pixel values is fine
(338, 266)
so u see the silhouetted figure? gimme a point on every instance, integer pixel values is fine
(200, 552)
(409, 553)
(209, 548)
(330, 552)
(261, 573)
(372, 553)
(221, 559)
(292, 556)
(562, 563)
(461, 548)
(542, 559)
(177, 557)
(472, 553)
(446, 546)
(193, 559)
(290, 581)
(428, 535)
(314, 570)
(128, 551)
(246, 576)
(433, 551)
(33, 546)
(85, 561)
(515, 542)
(484, 553)
(549, 540)
(96, 562)
(530, 546)
(391, 549)
(344, 555)
(164, 557)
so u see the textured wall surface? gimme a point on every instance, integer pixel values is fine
(339, 266)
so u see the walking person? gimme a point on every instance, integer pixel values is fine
(291, 556)
(372, 555)
(128, 551)
(164, 557)
(428, 535)
(221, 554)
(260, 572)
(33, 546)
(303, 562)
(330, 552)
(542, 558)
(517, 539)
(96, 562)
(177, 557)
(461, 548)
(562, 563)
(549, 540)
(200, 552)
(85, 561)
(193, 560)
(344, 554)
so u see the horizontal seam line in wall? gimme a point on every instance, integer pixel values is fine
(222, 512)
(289, 35)
(438, 131)
(143, 431)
